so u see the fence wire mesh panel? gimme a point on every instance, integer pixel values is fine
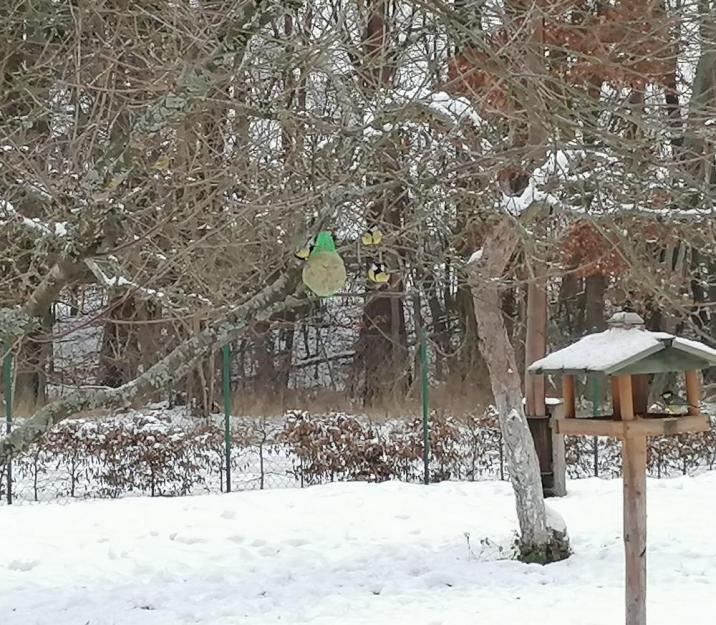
(162, 453)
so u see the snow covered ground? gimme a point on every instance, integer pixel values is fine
(350, 553)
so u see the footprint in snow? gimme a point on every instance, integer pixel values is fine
(269, 551)
(22, 565)
(186, 540)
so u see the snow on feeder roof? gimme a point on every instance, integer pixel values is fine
(626, 347)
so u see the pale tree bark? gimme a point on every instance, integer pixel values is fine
(538, 541)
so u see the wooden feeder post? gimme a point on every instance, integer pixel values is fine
(627, 353)
(634, 492)
(693, 392)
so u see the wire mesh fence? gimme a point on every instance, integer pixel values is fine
(157, 453)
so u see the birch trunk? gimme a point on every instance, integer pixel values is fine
(538, 541)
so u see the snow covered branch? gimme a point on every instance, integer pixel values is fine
(9, 214)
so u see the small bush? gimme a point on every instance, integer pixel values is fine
(112, 457)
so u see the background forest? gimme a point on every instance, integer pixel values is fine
(161, 161)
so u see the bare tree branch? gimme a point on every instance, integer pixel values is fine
(277, 297)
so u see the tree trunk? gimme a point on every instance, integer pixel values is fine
(594, 289)
(119, 355)
(538, 542)
(382, 345)
(32, 361)
(536, 340)
(569, 312)
(468, 365)
(381, 348)
(264, 357)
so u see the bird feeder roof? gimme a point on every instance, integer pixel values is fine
(627, 348)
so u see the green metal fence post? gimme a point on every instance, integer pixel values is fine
(596, 411)
(227, 414)
(426, 404)
(7, 385)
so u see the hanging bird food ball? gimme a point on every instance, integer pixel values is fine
(324, 272)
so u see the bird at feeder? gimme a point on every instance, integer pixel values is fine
(372, 236)
(324, 272)
(305, 251)
(378, 273)
(673, 403)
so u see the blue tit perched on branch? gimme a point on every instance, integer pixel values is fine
(372, 236)
(378, 273)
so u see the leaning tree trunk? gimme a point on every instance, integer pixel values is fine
(538, 541)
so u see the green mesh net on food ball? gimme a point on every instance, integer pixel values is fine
(324, 272)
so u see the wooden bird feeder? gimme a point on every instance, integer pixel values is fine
(627, 353)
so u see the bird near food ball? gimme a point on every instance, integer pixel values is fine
(305, 251)
(372, 236)
(324, 272)
(378, 273)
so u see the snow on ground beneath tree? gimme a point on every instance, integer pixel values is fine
(351, 553)
(76, 347)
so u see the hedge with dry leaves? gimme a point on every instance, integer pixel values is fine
(147, 454)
